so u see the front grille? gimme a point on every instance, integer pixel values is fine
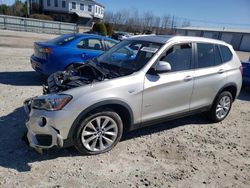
(44, 140)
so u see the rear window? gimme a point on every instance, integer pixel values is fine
(61, 40)
(226, 53)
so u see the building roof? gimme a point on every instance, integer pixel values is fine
(97, 3)
(230, 30)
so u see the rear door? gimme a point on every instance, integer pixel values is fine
(89, 48)
(209, 76)
(169, 93)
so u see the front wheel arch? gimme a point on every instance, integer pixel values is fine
(122, 108)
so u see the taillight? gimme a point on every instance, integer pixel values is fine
(45, 50)
(241, 69)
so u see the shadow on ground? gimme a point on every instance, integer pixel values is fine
(16, 154)
(28, 78)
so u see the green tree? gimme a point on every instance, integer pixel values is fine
(100, 28)
(110, 29)
(4, 9)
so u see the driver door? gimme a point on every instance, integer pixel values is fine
(167, 94)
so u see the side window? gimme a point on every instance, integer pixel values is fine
(109, 44)
(206, 57)
(91, 44)
(217, 56)
(179, 57)
(226, 53)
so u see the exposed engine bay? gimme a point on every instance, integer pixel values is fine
(76, 75)
(79, 74)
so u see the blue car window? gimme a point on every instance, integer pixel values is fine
(109, 44)
(63, 39)
(90, 44)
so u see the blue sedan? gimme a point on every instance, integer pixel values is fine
(59, 53)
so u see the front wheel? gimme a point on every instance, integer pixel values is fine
(99, 132)
(221, 107)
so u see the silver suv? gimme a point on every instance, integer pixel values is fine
(141, 81)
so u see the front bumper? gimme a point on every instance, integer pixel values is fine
(42, 136)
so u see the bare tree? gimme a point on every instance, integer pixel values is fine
(166, 21)
(186, 23)
(133, 21)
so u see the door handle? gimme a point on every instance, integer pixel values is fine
(188, 78)
(221, 71)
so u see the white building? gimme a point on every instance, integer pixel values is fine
(78, 11)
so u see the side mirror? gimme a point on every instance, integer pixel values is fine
(163, 66)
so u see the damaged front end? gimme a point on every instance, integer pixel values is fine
(76, 75)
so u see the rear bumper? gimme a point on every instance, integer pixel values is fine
(39, 65)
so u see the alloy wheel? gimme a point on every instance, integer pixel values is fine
(223, 107)
(99, 133)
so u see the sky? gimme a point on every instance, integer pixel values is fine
(204, 13)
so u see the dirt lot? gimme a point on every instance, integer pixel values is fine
(189, 152)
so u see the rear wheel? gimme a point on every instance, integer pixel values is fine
(221, 107)
(99, 132)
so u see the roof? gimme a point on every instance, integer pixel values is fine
(231, 30)
(93, 1)
(167, 38)
(153, 38)
(83, 14)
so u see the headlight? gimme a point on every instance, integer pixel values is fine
(51, 102)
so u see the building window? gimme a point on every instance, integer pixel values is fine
(48, 3)
(102, 11)
(56, 3)
(90, 8)
(99, 10)
(73, 5)
(81, 6)
(96, 10)
(63, 4)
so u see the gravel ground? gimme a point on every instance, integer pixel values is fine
(189, 152)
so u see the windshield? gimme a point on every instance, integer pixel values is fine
(128, 56)
(63, 39)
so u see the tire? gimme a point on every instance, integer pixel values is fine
(89, 139)
(221, 107)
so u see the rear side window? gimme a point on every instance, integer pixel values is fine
(91, 44)
(179, 56)
(226, 53)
